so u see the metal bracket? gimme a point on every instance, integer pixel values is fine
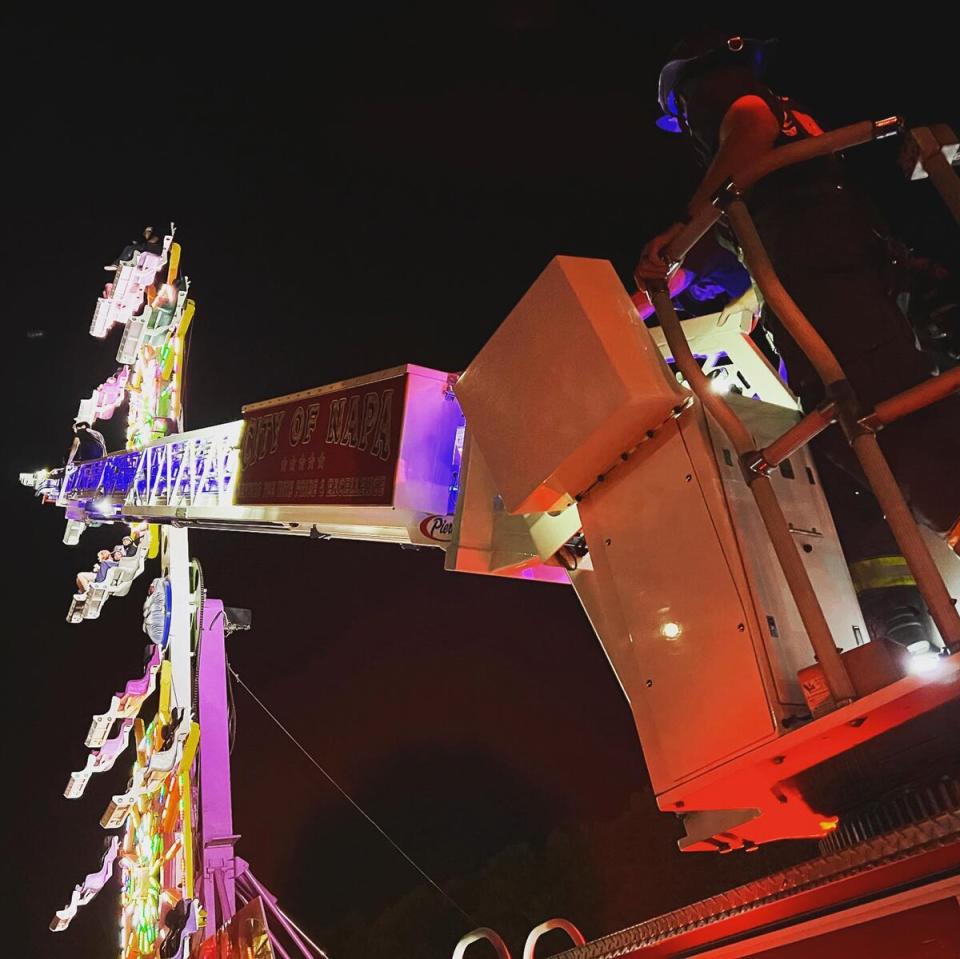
(921, 143)
(728, 193)
(847, 408)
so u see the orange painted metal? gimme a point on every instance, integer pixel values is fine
(930, 391)
(766, 773)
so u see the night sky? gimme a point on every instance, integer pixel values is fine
(354, 193)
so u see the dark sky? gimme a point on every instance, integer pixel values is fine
(353, 193)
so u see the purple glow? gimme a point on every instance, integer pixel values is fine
(125, 704)
(140, 687)
(216, 801)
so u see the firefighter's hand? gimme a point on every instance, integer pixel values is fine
(652, 265)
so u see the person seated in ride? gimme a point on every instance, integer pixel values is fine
(165, 297)
(88, 444)
(98, 574)
(148, 242)
(118, 553)
(128, 546)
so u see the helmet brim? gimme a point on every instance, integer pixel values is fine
(669, 124)
(755, 51)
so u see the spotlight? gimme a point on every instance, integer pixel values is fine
(924, 664)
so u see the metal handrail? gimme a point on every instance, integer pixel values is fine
(530, 946)
(480, 935)
(858, 429)
(862, 440)
(794, 572)
(834, 141)
(916, 398)
(886, 412)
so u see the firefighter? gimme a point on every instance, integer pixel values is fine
(823, 242)
(88, 443)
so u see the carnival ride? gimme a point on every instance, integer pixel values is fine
(759, 698)
(117, 582)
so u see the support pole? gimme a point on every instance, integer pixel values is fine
(175, 550)
(271, 903)
(216, 803)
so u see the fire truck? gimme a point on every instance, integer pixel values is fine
(663, 473)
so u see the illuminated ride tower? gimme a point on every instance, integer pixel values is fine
(183, 891)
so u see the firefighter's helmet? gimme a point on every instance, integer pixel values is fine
(701, 54)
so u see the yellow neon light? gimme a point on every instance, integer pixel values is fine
(186, 761)
(166, 675)
(189, 748)
(174, 262)
(153, 550)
